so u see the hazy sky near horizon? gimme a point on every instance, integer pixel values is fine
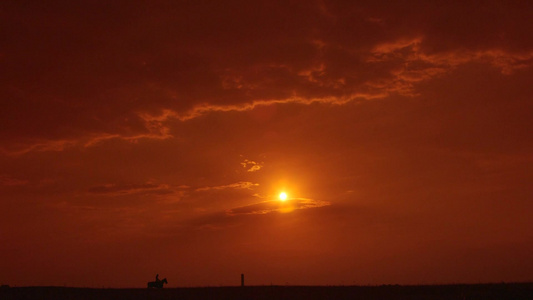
(144, 137)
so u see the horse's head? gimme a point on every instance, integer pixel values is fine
(164, 281)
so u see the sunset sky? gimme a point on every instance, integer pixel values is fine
(144, 137)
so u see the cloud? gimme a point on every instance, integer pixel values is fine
(147, 188)
(409, 64)
(20, 148)
(235, 216)
(277, 206)
(6, 180)
(251, 166)
(238, 185)
(184, 61)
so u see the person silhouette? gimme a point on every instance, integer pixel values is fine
(157, 278)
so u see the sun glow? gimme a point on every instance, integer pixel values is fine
(283, 196)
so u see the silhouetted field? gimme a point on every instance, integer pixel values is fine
(502, 291)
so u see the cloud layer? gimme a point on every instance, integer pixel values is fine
(71, 84)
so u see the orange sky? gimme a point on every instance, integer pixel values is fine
(144, 137)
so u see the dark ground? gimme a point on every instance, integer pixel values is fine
(501, 291)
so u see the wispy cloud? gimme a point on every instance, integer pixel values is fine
(51, 145)
(148, 188)
(236, 185)
(235, 216)
(409, 63)
(6, 180)
(272, 206)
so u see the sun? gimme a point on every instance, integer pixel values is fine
(282, 196)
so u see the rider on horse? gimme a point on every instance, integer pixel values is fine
(157, 283)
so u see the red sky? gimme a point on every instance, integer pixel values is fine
(144, 137)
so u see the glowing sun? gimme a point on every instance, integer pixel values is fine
(283, 196)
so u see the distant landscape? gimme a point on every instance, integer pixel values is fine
(498, 291)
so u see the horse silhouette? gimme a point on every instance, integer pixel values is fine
(157, 284)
